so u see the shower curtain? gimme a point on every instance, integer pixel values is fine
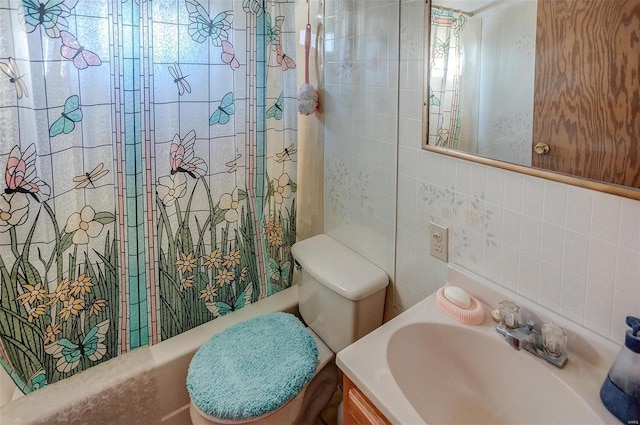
(149, 151)
(454, 84)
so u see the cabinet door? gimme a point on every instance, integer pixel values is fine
(587, 89)
(357, 409)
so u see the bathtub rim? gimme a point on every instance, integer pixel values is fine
(167, 361)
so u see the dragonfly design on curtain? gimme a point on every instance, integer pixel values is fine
(133, 211)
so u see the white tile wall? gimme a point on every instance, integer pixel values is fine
(578, 270)
(310, 147)
(361, 104)
(569, 249)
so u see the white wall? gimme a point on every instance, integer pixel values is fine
(571, 250)
(507, 80)
(360, 136)
(310, 128)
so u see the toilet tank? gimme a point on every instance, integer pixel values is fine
(341, 294)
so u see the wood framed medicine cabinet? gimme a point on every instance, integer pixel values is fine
(586, 95)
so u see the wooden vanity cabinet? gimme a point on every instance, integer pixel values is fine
(357, 409)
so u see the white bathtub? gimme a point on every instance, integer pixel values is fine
(145, 386)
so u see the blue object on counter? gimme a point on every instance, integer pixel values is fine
(620, 391)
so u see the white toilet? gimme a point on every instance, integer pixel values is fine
(341, 299)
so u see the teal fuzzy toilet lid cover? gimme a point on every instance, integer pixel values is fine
(252, 368)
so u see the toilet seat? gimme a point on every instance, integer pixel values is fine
(252, 369)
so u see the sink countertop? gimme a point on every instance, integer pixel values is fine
(365, 362)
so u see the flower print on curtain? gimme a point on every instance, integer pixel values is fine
(59, 255)
(214, 230)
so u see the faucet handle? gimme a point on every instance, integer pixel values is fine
(509, 314)
(530, 324)
(554, 339)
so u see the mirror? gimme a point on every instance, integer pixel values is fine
(545, 87)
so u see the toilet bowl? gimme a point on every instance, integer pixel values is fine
(341, 299)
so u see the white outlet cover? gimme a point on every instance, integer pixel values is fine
(439, 242)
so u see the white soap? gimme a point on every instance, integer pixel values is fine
(458, 296)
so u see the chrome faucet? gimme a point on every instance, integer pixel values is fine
(549, 347)
(517, 336)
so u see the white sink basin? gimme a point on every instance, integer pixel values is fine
(424, 367)
(454, 375)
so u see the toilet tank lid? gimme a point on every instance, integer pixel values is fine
(339, 268)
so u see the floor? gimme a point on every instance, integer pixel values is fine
(329, 415)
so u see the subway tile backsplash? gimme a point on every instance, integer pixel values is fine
(578, 257)
(569, 249)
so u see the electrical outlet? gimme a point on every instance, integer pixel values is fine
(439, 242)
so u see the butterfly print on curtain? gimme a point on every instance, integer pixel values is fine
(20, 174)
(69, 354)
(224, 111)
(72, 50)
(51, 15)
(284, 61)
(203, 27)
(228, 55)
(220, 308)
(182, 158)
(68, 119)
(276, 110)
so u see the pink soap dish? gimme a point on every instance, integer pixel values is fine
(474, 315)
